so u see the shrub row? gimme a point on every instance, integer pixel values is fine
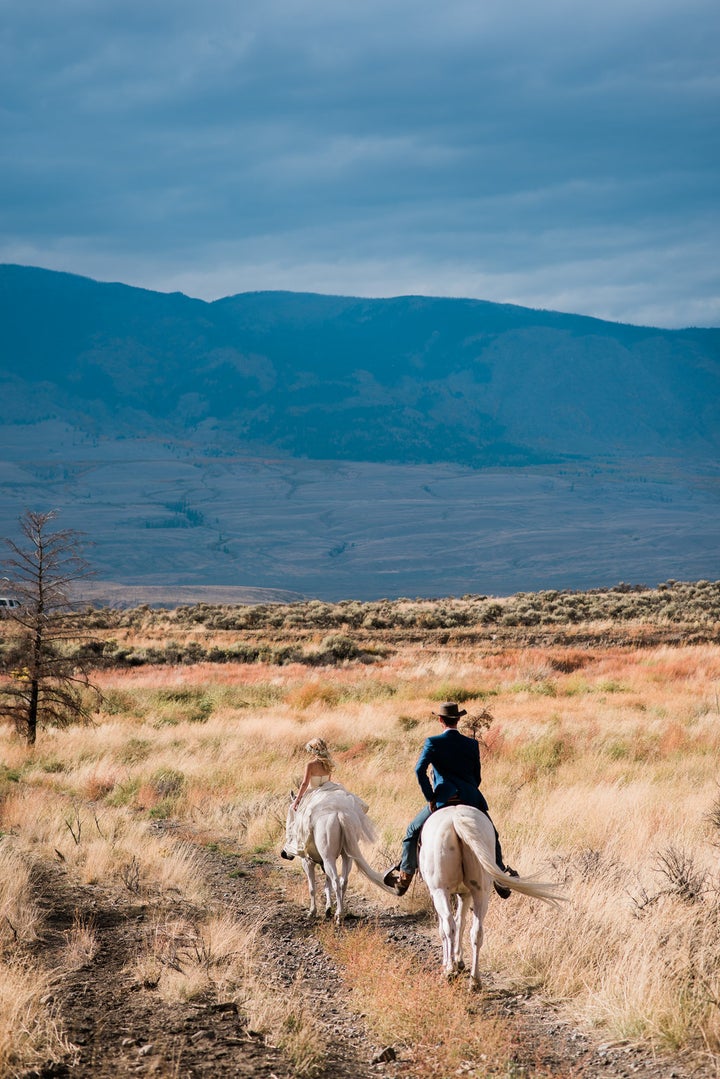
(671, 603)
(333, 650)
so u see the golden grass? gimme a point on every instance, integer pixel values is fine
(30, 1032)
(19, 915)
(596, 762)
(81, 944)
(187, 960)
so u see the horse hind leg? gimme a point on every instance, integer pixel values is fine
(461, 913)
(479, 904)
(346, 866)
(446, 927)
(333, 891)
(309, 867)
(328, 893)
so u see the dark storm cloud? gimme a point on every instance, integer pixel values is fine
(554, 154)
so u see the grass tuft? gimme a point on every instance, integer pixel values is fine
(431, 1019)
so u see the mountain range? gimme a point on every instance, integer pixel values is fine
(148, 412)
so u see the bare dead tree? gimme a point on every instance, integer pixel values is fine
(47, 676)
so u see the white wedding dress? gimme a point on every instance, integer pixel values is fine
(322, 790)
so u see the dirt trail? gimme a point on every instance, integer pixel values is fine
(119, 1029)
(116, 1027)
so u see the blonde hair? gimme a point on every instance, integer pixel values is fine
(318, 748)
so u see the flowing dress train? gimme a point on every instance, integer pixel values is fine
(324, 793)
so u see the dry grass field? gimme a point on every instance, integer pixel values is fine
(600, 748)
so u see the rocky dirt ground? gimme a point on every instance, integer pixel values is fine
(118, 1029)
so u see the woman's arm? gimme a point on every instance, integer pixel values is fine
(304, 785)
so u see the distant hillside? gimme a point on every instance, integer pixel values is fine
(406, 380)
(345, 448)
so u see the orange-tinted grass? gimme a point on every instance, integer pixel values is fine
(433, 1019)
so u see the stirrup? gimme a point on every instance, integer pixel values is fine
(390, 879)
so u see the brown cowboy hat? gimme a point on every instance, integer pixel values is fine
(450, 710)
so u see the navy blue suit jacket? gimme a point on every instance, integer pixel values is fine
(455, 761)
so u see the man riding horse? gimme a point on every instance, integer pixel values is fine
(455, 761)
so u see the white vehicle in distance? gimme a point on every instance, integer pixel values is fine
(8, 604)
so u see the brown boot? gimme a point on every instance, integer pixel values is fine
(404, 881)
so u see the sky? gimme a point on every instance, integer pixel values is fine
(551, 153)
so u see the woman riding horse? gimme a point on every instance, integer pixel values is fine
(318, 782)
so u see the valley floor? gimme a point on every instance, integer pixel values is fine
(168, 515)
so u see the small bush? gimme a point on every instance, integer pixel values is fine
(460, 694)
(134, 751)
(124, 793)
(167, 783)
(339, 648)
(53, 766)
(568, 662)
(546, 754)
(313, 694)
(189, 705)
(117, 702)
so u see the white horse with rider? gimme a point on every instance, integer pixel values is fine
(326, 822)
(331, 829)
(457, 862)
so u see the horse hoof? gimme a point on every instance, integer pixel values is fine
(473, 985)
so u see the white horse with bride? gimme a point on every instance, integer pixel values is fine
(457, 859)
(330, 824)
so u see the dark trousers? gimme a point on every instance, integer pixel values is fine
(409, 858)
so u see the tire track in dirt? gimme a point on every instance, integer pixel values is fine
(120, 1029)
(545, 1044)
(291, 955)
(116, 1027)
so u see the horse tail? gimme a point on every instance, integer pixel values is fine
(470, 827)
(353, 827)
